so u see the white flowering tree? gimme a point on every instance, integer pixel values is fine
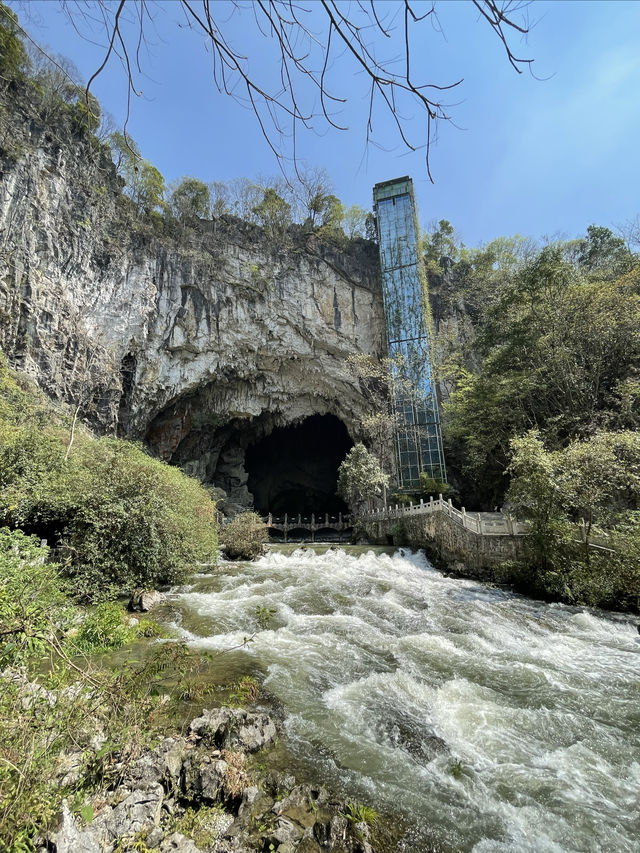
(360, 478)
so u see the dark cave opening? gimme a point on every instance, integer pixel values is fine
(294, 469)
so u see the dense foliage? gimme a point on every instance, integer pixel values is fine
(360, 478)
(582, 501)
(542, 388)
(245, 537)
(118, 518)
(553, 344)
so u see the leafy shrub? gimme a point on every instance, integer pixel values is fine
(245, 537)
(118, 517)
(32, 599)
(430, 487)
(104, 628)
(135, 521)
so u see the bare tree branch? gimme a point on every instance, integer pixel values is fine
(309, 42)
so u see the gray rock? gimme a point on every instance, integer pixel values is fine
(232, 728)
(250, 795)
(178, 843)
(142, 600)
(227, 321)
(287, 831)
(203, 777)
(138, 811)
(163, 764)
(154, 837)
(68, 767)
(69, 838)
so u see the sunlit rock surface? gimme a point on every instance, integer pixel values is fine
(200, 341)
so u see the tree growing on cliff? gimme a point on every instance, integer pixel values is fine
(360, 478)
(273, 212)
(13, 56)
(144, 184)
(189, 200)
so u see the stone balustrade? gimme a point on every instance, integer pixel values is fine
(482, 523)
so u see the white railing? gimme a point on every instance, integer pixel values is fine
(482, 523)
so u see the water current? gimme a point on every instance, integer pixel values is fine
(490, 721)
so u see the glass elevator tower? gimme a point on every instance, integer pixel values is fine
(418, 438)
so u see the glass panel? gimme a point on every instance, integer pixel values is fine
(418, 437)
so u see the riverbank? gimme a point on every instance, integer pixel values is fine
(485, 719)
(468, 718)
(209, 789)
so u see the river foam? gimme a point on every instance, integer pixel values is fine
(495, 723)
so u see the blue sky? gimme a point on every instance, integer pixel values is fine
(543, 155)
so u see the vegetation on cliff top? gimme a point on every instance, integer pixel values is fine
(287, 210)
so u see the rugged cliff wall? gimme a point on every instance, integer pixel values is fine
(200, 341)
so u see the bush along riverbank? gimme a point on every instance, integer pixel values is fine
(116, 517)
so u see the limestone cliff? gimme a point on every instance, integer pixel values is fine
(198, 340)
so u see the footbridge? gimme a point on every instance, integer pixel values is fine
(336, 527)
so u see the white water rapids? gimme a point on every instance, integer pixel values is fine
(493, 722)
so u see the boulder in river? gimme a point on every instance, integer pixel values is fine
(233, 728)
(142, 600)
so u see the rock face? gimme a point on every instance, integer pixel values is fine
(200, 341)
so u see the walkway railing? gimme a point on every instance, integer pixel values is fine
(482, 523)
(312, 523)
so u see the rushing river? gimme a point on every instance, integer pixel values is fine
(492, 722)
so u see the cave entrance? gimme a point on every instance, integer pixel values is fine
(294, 469)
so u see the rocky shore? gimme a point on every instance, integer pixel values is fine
(202, 793)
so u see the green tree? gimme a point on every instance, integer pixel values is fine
(603, 254)
(354, 221)
(535, 493)
(560, 351)
(360, 478)
(189, 200)
(590, 488)
(441, 245)
(244, 537)
(273, 212)
(13, 56)
(144, 184)
(220, 199)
